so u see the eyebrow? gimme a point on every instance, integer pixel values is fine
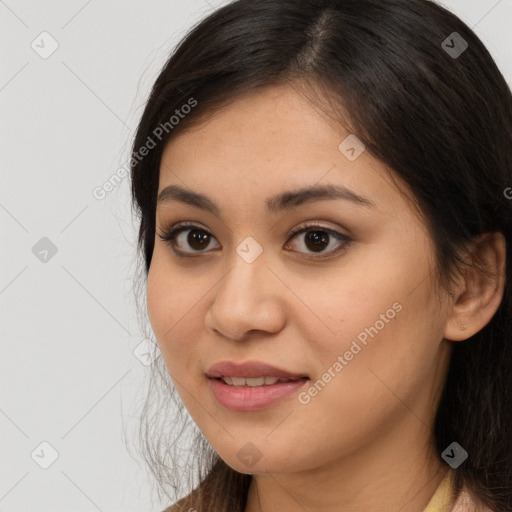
(284, 201)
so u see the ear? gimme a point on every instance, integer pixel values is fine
(480, 288)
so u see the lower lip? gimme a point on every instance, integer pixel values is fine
(252, 399)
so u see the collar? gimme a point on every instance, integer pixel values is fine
(441, 501)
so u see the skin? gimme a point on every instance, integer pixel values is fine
(364, 441)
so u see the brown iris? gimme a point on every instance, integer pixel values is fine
(316, 239)
(198, 239)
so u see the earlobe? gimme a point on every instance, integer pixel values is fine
(481, 289)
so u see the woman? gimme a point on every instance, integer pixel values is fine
(324, 224)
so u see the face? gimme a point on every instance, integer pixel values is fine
(336, 289)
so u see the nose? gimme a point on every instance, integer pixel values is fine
(248, 298)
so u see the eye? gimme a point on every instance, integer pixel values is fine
(317, 240)
(198, 237)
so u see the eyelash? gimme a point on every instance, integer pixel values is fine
(171, 232)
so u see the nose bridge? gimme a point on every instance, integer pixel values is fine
(246, 278)
(246, 298)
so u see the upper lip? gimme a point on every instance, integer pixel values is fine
(250, 369)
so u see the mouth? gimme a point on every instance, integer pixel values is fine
(255, 382)
(252, 386)
(250, 371)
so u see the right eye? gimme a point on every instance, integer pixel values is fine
(198, 238)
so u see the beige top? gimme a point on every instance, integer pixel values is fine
(441, 501)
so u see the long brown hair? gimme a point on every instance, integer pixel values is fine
(441, 121)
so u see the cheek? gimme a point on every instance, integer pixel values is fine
(359, 301)
(174, 313)
(377, 312)
(386, 346)
(159, 305)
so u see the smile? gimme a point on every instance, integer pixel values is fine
(253, 394)
(253, 381)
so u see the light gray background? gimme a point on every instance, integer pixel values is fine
(69, 375)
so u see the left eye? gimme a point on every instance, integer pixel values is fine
(317, 240)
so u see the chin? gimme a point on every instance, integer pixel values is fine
(262, 466)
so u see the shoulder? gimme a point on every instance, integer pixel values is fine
(186, 504)
(466, 502)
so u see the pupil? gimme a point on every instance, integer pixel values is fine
(317, 238)
(198, 239)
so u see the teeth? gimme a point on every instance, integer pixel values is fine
(252, 381)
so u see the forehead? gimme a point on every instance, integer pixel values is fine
(269, 119)
(272, 140)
